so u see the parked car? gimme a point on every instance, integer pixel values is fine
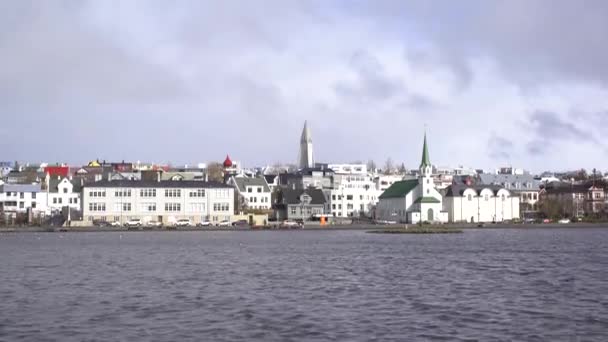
(564, 221)
(133, 223)
(115, 224)
(99, 223)
(546, 221)
(224, 223)
(154, 224)
(240, 223)
(290, 224)
(183, 223)
(203, 223)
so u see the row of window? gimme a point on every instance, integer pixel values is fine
(262, 200)
(123, 193)
(351, 197)
(93, 206)
(152, 193)
(250, 189)
(59, 200)
(485, 197)
(197, 193)
(221, 207)
(21, 194)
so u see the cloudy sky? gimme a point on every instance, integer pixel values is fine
(520, 82)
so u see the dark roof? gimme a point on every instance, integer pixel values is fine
(457, 190)
(243, 182)
(154, 184)
(427, 200)
(270, 178)
(291, 196)
(399, 189)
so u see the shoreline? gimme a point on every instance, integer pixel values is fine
(17, 229)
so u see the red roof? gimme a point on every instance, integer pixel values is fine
(62, 171)
(227, 162)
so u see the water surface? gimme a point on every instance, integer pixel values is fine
(523, 285)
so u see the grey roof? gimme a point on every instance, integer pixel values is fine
(511, 182)
(243, 182)
(20, 187)
(291, 196)
(154, 184)
(457, 190)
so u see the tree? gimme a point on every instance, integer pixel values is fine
(371, 165)
(215, 172)
(402, 169)
(388, 166)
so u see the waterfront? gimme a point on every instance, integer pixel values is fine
(499, 284)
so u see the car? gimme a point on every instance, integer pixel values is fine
(290, 224)
(183, 223)
(240, 223)
(115, 224)
(203, 223)
(546, 221)
(564, 221)
(154, 224)
(98, 223)
(133, 223)
(224, 223)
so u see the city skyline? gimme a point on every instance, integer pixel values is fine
(193, 81)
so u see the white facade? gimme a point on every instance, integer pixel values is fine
(353, 191)
(62, 196)
(19, 198)
(384, 182)
(162, 201)
(481, 205)
(254, 192)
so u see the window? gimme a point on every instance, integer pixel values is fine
(97, 193)
(470, 197)
(22, 195)
(55, 200)
(122, 193)
(293, 210)
(21, 205)
(535, 196)
(333, 197)
(97, 206)
(172, 206)
(249, 189)
(65, 190)
(126, 207)
(333, 206)
(349, 206)
(349, 197)
(486, 198)
(361, 197)
(33, 195)
(147, 193)
(221, 207)
(33, 205)
(259, 189)
(173, 193)
(60, 200)
(197, 193)
(149, 207)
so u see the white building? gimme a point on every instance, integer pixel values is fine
(253, 192)
(19, 198)
(413, 201)
(383, 182)
(61, 192)
(353, 190)
(162, 201)
(481, 204)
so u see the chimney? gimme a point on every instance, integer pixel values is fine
(158, 177)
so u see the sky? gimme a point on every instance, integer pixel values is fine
(519, 82)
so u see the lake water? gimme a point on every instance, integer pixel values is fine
(486, 285)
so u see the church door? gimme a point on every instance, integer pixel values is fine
(429, 216)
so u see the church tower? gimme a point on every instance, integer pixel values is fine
(426, 170)
(306, 156)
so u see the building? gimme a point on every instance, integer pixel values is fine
(306, 157)
(62, 193)
(318, 178)
(483, 203)
(414, 200)
(21, 198)
(575, 200)
(300, 204)
(383, 182)
(353, 191)
(519, 184)
(254, 193)
(5, 168)
(163, 201)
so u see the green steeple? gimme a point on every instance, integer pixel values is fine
(425, 154)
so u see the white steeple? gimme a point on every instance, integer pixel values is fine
(306, 155)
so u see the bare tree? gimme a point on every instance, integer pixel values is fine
(402, 169)
(388, 166)
(215, 172)
(371, 165)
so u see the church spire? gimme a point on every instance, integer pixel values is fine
(306, 159)
(425, 154)
(306, 137)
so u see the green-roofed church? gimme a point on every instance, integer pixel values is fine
(413, 200)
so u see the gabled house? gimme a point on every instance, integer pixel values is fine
(480, 203)
(300, 204)
(63, 193)
(254, 193)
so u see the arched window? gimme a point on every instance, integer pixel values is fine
(470, 197)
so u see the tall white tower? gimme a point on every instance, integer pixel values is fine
(306, 156)
(426, 170)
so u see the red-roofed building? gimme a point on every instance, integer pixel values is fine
(61, 171)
